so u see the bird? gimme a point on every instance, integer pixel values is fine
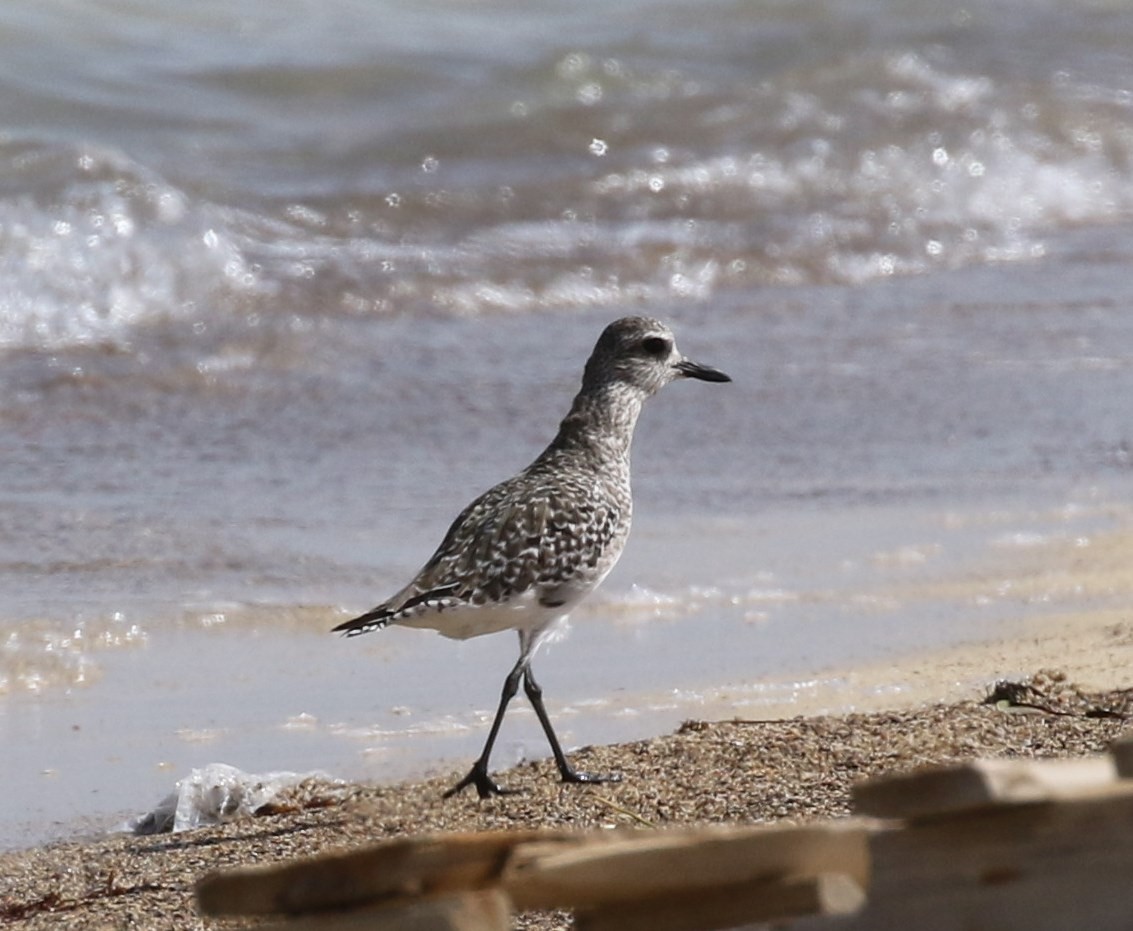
(526, 551)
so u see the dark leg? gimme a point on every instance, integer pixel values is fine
(568, 772)
(478, 775)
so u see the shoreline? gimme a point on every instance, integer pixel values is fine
(777, 750)
(747, 770)
(872, 621)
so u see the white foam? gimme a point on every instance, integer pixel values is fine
(111, 248)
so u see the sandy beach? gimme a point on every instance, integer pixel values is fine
(728, 771)
(1056, 685)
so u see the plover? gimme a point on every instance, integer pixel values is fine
(525, 552)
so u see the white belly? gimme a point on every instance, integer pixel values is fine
(464, 621)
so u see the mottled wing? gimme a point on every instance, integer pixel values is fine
(522, 535)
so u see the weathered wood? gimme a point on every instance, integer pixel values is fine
(646, 864)
(480, 910)
(1045, 866)
(410, 867)
(940, 790)
(729, 906)
(1009, 845)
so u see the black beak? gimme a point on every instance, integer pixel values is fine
(703, 372)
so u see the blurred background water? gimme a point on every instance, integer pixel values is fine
(282, 286)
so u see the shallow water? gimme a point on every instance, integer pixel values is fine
(284, 287)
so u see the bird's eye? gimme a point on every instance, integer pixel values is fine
(655, 345)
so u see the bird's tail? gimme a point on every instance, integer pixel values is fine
(376, 619)
(397, 608)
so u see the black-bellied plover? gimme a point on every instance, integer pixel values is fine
(528, 550)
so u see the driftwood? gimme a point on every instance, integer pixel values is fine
(679, 879)
(992, 844)
(472, 910)
(393, 871)
(712, 877)
(638, 865)
(1040, 866)
(939, 790)
(728, 906)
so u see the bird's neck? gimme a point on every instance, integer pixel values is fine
(600, 423)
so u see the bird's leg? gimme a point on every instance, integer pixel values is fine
(478, 775)
(569, 774)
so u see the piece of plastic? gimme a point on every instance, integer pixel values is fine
(218, 793)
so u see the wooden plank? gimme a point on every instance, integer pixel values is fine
(1046, 866)
(410, 867)
(940, 790)
(729, 906)
(481, 910)
(646, 864)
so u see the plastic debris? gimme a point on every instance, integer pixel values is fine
(219, 793)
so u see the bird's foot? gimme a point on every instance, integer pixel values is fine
(486, 786)
(570, 774)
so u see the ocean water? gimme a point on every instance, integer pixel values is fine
(285, 285)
